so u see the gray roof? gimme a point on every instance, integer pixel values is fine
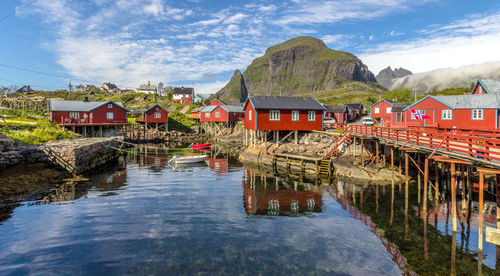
(81, 106)
(209, 108)
(183, 90)
(471, 101)
(335, 108)
(291, 103)
(355, 105)
(232, 108)
(399, 107)
(492, 86)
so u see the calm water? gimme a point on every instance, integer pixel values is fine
(221, 218)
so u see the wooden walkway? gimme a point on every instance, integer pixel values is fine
(477, 147)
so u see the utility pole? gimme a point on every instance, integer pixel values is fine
(415, 92)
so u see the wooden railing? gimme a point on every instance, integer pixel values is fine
(479, 144)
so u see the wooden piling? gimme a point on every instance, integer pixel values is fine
(453, 196)
(362, 161)
(481, 202)
(426, 180)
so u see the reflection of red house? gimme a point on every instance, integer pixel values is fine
(113, 182)
(256, 200)
(159, 161)
(218, 164)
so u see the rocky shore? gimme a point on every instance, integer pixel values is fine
(13, 153)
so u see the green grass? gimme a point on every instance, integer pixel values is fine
(38, 134)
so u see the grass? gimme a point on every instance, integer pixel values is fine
(37, 134)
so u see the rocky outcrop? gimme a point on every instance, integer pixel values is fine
(296, 67)
(387, 76)
(13, 153)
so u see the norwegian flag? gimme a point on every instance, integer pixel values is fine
(418, 115)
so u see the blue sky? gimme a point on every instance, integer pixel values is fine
(201, 43)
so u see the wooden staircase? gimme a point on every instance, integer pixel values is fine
(325, 168)
(59, 160)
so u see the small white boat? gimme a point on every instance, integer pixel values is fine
(188, 159)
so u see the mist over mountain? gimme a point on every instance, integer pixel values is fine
(387, 76)
(439, 79)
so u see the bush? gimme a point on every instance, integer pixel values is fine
(39, 134)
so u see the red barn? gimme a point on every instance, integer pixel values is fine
(381, 111)
(461, 111)
(339, 112)
(88, 117)
(222, 114)
(487, 86)
(283, 113)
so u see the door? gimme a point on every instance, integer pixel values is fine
(430, 121)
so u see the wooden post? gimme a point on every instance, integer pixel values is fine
(296, 137)
(392, 161)
(436, 182)
(100, 131)
(265, 139)
(377, 152)
(481, 202)
(453, 197)
(85, 131)
(426, 180)
(419, 178)
(354, 147)
(362, 145)
(277, 138)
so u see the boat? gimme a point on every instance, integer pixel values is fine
(188, 159)
(200, 146)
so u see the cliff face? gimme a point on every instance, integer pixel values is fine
(235, 91)
(387, 76)
(299, 66)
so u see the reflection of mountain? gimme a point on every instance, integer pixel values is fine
(272, 195)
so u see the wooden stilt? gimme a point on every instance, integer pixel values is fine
(362, 146)
(419, 178)
(436, 181)
(377, 152)
(426, 180)
(296, 137)
(481, 202)
(453, 197)
(277, 138)
(354, 147)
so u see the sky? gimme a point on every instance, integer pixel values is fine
(47, 43)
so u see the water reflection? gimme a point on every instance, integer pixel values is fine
(267, 194)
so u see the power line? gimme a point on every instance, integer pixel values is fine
(42, 73)
(21, 8)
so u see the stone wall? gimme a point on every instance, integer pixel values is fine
(13, 153)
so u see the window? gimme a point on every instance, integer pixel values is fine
(311, 116)
(249, 115)
(157, 115)
(217, 114)
(295, 115)
(377, 110)
(74, 115)
(157, 109)
(477, 114)
(399, 117)
(109, 115)
(446, 114)
(110, 105)
(388, 110)
(274, 115)
(207, 114)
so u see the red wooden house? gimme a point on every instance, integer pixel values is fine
(358, 109)
(217, 102)
(183, 95)
(398, 115)
(156, 116)
(461, 111)
(88, 117)
(283, 113)
(486, 86)
(222, 114)
(341, 113)
(381, 111)
(195, 113)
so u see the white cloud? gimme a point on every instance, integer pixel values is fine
(470, 41)
(235, 18)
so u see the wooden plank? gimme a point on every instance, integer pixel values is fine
(493, 235)
(487, 170)
(450, 160)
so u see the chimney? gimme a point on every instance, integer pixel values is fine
(86, 99)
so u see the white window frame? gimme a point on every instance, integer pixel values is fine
(157, 108)
(207, 114)
(446, 114)
(249, 115)
(110, 105)
(74, 115)
(311, 116)
(110, 116)
(217, 114)
(295, 115)
(477, 114)
(388, 110)
(274, 115)
(157, 115)
(376, 110)
(399, 117)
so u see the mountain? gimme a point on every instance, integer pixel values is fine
(302, 65)
(444, 78)
(387, 76)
